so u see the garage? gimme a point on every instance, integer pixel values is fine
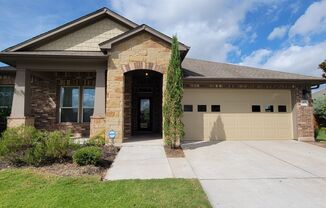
(237, 114)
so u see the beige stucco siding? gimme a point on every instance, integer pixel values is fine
(87, 38)
(236, 121)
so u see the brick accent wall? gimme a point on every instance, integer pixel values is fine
(7, 78)
(45, 100)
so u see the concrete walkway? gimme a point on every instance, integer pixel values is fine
(260, 173)
(146, 159)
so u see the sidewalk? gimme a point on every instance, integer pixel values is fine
(146, 159)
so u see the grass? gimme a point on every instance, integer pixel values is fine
(321, 136)
(28, 188)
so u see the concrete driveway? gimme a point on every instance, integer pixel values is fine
(260, 173)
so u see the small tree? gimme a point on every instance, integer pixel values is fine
(322, 66)
(320, 110)
(172, 108)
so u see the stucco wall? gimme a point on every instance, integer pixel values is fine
(88, 38)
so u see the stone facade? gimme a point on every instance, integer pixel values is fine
(88, 38)
(142, 51)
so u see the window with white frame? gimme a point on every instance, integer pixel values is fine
(76, 104)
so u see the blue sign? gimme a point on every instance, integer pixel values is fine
(112, 134)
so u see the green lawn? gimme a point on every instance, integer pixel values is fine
(26, 188)
(321, 134)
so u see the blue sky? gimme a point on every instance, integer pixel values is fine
(285, 35)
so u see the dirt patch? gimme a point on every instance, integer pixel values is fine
(318, 143)
(173, 153)
(71, 169)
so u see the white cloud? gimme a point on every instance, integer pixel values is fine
(256, 58)
(295, 59)
(313, 21)
(278, 32)
(208, 26)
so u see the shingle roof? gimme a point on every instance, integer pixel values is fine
(199, 69)
(55, 53)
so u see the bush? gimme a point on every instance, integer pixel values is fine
(98, 140)
(320, 110)
(16, 143)
(26, 145)
(87, 156)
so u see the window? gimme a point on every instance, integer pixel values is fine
(282, 108)
(187, 108)
(70, 108)
(255, 108)
(6, 95)
(215, 108)
(269, 108)
(201, 108)
(88, 103)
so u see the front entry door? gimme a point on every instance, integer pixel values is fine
(144, 114)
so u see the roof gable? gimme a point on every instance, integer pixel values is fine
(107, 45)
(72, 26)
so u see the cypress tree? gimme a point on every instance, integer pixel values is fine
(172, 109)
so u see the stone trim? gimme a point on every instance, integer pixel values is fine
(13, 122)
(143, 65)
(97, 125)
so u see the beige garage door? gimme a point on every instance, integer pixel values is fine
(229, 114)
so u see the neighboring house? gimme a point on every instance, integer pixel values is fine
(319, 94)
(104, 72)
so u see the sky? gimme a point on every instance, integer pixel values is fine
(284, 35)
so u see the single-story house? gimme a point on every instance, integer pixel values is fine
(103, 72)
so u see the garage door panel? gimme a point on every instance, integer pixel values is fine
(236, 121)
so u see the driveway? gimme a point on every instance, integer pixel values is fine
(260, 173)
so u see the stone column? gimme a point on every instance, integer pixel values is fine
(21, 110)
(114, 103)
(303, 116)
(97, 125)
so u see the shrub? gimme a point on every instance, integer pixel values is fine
(26, 145)
(97, 140)
(87, 156)
(57, 144)
(16, 143)
(320, 110)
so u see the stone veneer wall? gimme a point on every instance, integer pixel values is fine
(303, 118)
(143, 51)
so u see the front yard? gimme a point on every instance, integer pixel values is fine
(30, 188)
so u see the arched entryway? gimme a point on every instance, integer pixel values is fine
(142, 102)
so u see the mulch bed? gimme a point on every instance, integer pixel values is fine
(173, 153)
(68, 168)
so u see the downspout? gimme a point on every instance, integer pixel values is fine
(314, 87)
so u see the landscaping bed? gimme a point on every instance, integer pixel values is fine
(173, 153)
(54, 153)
